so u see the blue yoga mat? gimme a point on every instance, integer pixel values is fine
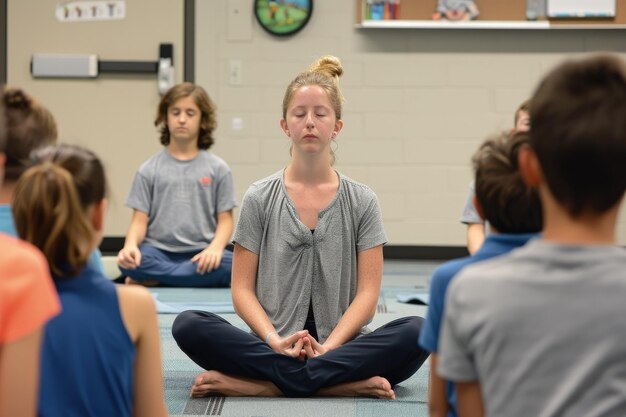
(175, 307)
(414, 298)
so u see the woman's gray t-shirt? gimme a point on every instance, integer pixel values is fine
(297, 266)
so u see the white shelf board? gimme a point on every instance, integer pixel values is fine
(477, 24)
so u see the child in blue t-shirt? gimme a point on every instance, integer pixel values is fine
(518, 337)
(477, 228)
(497, 180)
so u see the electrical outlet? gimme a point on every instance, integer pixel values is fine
(234, 72)
(236, 123)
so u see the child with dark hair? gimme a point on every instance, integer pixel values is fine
(477, 227)
(30, 126)
(182, 200)
(101, 355)
(514, 212)
(27, 301)
(540, 331)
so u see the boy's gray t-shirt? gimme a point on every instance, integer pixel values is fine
(543, 331)
(470, 214)
(297, 266)
(182, 199)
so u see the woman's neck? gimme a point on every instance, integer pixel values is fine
(310, 171)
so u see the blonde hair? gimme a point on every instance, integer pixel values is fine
(324, 73)
(51, 202)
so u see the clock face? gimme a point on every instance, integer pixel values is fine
(283, 17)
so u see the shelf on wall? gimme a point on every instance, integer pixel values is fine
(494, 14)
(445, 24)
(478, 24)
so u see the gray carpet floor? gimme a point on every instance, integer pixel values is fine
(179, 371)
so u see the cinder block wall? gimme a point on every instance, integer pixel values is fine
(418, 102)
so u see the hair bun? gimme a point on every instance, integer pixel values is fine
(15, 98)
(328, 65)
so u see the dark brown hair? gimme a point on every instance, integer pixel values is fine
(208, 121)
(51, 201)
(29, 126)
(578, 114)
(507, 202)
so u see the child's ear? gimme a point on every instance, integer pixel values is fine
(529, 167)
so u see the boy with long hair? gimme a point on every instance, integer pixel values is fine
(182, 200)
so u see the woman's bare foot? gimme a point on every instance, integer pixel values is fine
(214, 382)
(376, 386)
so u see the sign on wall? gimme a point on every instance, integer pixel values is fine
(81, 11)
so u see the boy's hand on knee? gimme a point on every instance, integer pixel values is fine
(208, 260)
(129, 257)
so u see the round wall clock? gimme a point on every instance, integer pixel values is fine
(283, 17)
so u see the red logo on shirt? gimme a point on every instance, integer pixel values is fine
(205, 181)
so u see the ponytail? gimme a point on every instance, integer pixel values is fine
(48, 213)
